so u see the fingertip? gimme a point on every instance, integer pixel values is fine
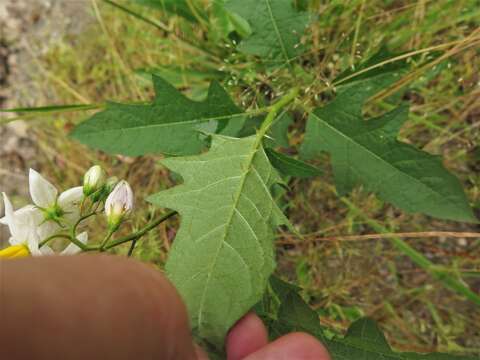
(299, 346)
(125, 309)
(312, 347)
(246, 336)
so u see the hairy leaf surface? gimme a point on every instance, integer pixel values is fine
(363, 341)
(276, 28)
(368, 153)
(223, 254)
(171, 124)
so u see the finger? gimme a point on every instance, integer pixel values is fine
(247, 336)
(200, 353)
(298, 346)
(90, 307)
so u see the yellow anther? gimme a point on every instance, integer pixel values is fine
(15, 251)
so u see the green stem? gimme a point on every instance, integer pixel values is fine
(275, 108)
(77, 242)
(84, 217)
(82, 204)
(105, 240)
(447, 280)
(73, 236)
(132, 247)
(45, 241)
(137, 235)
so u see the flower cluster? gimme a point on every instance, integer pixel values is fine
(53, 215)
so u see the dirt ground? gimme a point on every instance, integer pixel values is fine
(27, 29)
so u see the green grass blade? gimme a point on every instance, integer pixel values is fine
(53, 109)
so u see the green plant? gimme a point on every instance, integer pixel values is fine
(238, 173)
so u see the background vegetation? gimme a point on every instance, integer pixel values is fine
(346, 270)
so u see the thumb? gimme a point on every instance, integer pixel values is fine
(90, 307)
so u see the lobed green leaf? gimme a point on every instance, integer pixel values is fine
(363, 341)
(276, 29)
(223, 254)
(368, 152)
(171, 124)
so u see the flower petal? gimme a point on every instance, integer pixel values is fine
(24, 211)
(8, 219)
(43, 193)
(30, 217)
(17, 231)
(22, 223)
(45, 250)
(28, 214)
(47, 229)
(69, 201)
(70, 198)
(32, 242)
(73, 249)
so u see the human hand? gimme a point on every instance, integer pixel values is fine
(106, 307)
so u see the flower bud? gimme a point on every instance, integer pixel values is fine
(110, 184)
(93, 180)
(118, 205)
(107, 188)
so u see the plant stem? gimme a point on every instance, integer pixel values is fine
(132, 247)
(447, 280)
(275, 108)
(73, 236)
(82, 204)
(105, 240)
(77, 242)
(45, 241)
(84, 217)
(137, 235)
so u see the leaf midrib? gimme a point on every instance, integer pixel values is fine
(277, 32)
(378, 157)
(159, 125)
(228, 224)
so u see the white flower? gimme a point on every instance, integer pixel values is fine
(32, 224)
(22, 221)
(118, 204)
(27, 231)
(93, 180)
(57, 208)
(23, 229)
